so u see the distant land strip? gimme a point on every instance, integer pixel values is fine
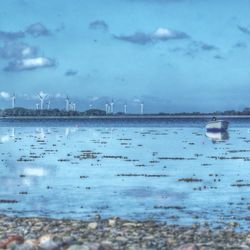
(98, 114)
(125, 117)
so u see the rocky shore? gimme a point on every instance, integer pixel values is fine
(114, 233)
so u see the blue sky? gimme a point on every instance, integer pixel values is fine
(173, 55)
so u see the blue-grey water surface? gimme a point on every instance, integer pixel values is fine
(167, 170)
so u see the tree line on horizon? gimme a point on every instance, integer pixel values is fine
(21, 112)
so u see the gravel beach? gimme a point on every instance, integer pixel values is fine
(114, 233)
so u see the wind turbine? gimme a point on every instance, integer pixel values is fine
(106, 108)
(125, 108)
(48, 104)
(67, 103)
(72, 106)
(142, 108)
(112, 107)
(13, 99)
(42, 98)
(37, 106)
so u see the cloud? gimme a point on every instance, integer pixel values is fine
(196, 47)
(71, 72)
(137, 100)
(4, 95)
(240, 45)
(138, 37)
(37, 29)
(99, 25)
(204, 46)
(60, 28)
(17, 50)
(11, 35)
(167, 34)
(160, 34)
(94, 98)
(208, 47)
(30, 64)
(243, 29)
(23, 57)
(218, 57)
(59, 95)
(42, 94)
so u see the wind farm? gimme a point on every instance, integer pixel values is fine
(44, 107)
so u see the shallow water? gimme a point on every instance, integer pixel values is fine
(164, 170)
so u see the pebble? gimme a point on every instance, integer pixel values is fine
(129, 224)
(78, 247)
(68, 240)
(121, 239)
(188, 247)
(46, 242)
(10, 240)
(115, 234)
(92, 225)
(248, 239)
(112, 222)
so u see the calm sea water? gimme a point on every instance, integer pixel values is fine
(168, 170)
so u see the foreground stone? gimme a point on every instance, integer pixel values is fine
(189, 247)
(113, 234)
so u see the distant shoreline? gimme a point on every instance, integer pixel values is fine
(119, 117)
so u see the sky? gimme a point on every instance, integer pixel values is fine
(171, 55)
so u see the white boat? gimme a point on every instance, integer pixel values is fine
(217, 125)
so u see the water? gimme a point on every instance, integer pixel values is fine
(136, 170)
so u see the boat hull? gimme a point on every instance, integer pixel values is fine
(217, 136)
(217, 126)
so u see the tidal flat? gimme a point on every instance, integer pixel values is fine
(162, 176)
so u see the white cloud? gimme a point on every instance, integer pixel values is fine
(43, 94)
(160, 34)
(163, 33)
(4, 95)
(58, 95)
(30, 64)
(137, 100)
(35, 62)
(26, 51)
(17, 50)
(94, 98)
